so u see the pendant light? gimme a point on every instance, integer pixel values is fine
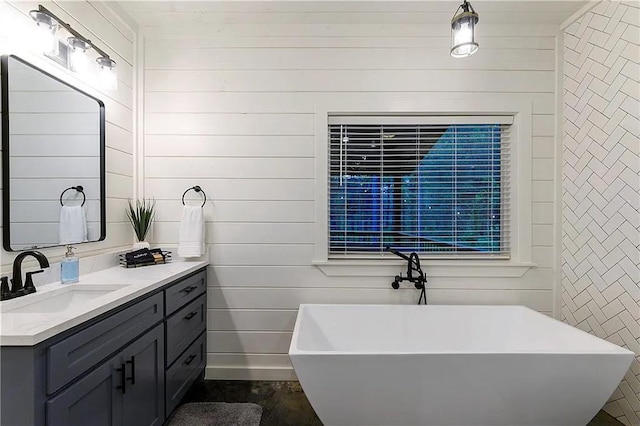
(463, 31)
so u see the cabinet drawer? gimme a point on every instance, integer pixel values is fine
(184, 326)
(76, 354)
(184, 372)
(184, 291)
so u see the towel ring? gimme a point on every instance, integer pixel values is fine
(78, 188)
(197, 189)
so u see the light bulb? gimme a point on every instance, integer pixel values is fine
(45, 38)
(463, 37)
(79, 60)
(45, 33)
(108, 79)
(107, 76)
(463, 34)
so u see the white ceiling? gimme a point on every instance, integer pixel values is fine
(187, 13)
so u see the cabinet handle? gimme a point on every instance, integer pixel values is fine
(191, 315)
(189, 289)
(189, 360)
(123, 379)
(132, 379)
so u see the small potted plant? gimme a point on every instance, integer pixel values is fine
(141, 215)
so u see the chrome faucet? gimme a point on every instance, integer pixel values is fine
(17, 288)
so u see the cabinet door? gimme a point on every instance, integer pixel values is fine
(78, 353)
(143, 400)
(95, 399)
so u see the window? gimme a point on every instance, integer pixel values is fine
(434, 185)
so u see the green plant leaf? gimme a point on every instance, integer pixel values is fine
(141, 215)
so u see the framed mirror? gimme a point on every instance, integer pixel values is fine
(53, 160)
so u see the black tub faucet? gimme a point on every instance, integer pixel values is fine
(17, 289)
(413, 268)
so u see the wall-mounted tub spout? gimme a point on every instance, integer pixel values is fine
(414, 274)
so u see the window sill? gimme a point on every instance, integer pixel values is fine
(432, 268)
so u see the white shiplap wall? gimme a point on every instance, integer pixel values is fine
(230, 107)
(102, 25)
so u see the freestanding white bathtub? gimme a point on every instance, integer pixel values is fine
(394, 365)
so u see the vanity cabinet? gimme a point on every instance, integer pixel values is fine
(129, 367)
(125, 390)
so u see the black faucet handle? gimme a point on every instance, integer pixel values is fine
(5, 293)
(28, 283)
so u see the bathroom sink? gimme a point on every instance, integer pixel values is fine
(58, 300)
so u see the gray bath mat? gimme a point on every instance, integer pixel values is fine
(216, 414)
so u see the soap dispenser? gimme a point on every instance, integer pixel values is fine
(69, 267)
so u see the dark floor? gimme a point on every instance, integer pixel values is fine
(284, 403)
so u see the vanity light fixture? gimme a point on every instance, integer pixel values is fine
(107, 75)
(463, 31)
(47, 26)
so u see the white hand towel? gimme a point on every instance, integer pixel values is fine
(73, 225)
(191, 232)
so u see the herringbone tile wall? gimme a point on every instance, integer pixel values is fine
(601, 185)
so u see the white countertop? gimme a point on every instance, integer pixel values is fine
(28, 329)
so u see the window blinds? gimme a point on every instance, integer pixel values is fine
(432, 184)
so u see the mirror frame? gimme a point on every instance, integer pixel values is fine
(6, 220)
